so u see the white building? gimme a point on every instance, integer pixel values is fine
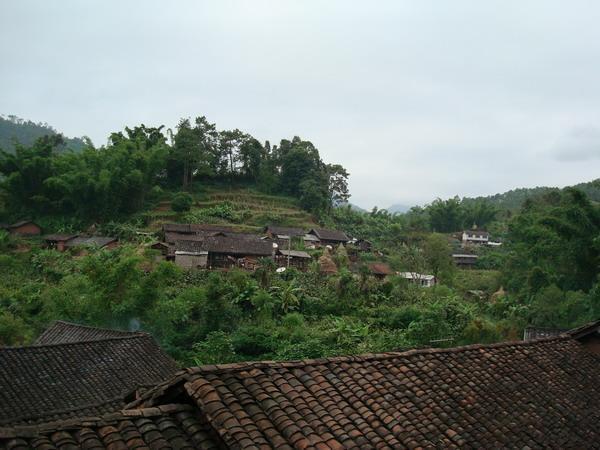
(191, 259)
(475, 236)
(419, 279)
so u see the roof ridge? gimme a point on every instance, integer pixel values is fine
(65, 424)
(58, 344)
(78, 325)
(584, 329)
(217, 368)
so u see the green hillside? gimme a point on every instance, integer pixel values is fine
(513, 199)
(25, 132)
(244, 208)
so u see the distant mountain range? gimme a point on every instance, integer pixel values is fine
(398, 208)
(352, 206)
(514, 198)
(14, 129)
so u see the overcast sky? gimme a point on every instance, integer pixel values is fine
(417, 99)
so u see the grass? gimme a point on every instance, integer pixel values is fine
(241, 207)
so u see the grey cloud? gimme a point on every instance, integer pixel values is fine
(580, 144)
(418, 99)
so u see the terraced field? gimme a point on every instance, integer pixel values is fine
(244, 209)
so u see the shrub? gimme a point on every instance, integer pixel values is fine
(6, 241)
(156, 193)
(181, 202)
(215, 349)
(252, 341)
(13, 330)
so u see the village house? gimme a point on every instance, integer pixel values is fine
(62, 242)
(474, 396)
(293, 258)
(283, 233)
(92, 241)
(191, 255)
(330, 237)
(311, 241)
(58, 241)
(162, 247)
(380, 270)
(22, 228)
(222, 251)
(74, 370)
(475, 237)
(464, 260)
(362, 245)
(419, 279)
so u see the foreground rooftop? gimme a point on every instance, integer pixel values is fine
(76, 371)
(540, 393)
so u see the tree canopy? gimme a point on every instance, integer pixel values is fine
(116, 179)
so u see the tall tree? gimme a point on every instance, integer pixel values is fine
(230, 144)
(338, 184)
(445, 215)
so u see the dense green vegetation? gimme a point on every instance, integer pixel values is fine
(545, 273)
(512, 200)
(124, 177)
(15, 131)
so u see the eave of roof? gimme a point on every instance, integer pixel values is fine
(166, 426)
(585, 330)
(61, 331)
(459, 397)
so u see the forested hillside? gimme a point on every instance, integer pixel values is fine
(545, 272)
(514, 199)
(14, 131)
(139, 164)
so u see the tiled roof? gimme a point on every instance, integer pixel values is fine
(177, 228)
(48, 382)
(191, 246)
(587, 329)
(191, 228)
(285, 231)
(61, 332)
(59, 237)
(171, 426)
(13, 226)
(92, 241)
(233, 245)
(172, 236)
(18, 224)
(535, 394)
(310, 238)
(295, 253)
(330, 235)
